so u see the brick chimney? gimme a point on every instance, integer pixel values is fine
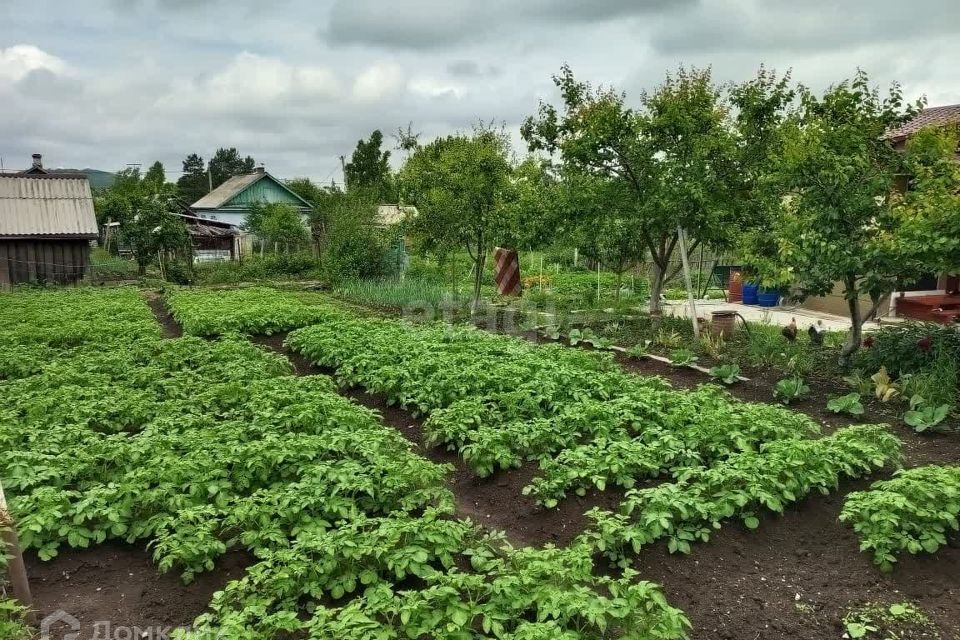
(37, 161)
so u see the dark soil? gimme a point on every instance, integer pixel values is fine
(119, 584)
(171, 328)
(796, 576)
(495, 502)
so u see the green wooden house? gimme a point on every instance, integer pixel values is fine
(230, 202)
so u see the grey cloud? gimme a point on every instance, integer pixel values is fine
(779, 26)
(472, 69)
(45, 85)
(428, 24)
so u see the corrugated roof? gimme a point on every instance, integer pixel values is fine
(226, 191)
(46, 206)
(930, 117)
(222, 195)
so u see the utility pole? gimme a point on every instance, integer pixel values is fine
(209, 180)
(343, 168)
(18, 571)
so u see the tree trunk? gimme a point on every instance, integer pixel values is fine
(657, 276)
(852, 344)
(141, 268)
(616, 296)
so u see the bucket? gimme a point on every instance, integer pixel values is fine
(735, 288)
(750, 292)
(768, 298)
(723, 323)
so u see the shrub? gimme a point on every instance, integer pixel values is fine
(910, 347)
(285, 266)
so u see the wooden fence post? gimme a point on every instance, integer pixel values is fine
(18, 571)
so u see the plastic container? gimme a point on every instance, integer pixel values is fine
(768, 298)
(750, 292)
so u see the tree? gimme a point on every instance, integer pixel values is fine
(369, 169)
(227, 163)
(151, 231)
(155, 177)
(407, 140)
(842, 220)
(675, 160)
(458, 184)
(278, 223)
(193, 184)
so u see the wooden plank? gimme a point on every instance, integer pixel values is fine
(4, 265)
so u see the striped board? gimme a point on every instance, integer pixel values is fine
(507, 271)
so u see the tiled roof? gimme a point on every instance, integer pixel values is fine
(931, 116)
(49, 205)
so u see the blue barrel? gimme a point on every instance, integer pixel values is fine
(750, 291)
(768, 298)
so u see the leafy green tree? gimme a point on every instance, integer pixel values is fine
(369, 169)
(459, 184)
(841, 220)
(406, 139)
(353, 245)
(532, 206)
(227, 163)
(151, 231)
(283, 226)
(193, 184)
(155, 178)
(675, 160)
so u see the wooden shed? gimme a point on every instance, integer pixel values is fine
(46, 224)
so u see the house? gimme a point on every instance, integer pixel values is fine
(230, 202)
(46, 224)
(212, 240)
(932, 297)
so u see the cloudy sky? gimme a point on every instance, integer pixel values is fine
(103, 83)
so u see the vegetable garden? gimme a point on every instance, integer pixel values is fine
(196, 447)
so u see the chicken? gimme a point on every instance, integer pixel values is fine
(790, 331)
(816, 332)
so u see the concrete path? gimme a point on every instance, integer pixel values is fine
(779, 316)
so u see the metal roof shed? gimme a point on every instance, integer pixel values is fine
(46, 224)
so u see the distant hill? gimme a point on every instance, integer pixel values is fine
(98, 179)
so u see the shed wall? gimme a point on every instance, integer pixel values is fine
(55, 261)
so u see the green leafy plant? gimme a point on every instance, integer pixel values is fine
(915, 511)
(668, 338)
(923, 416)
(640, 351)
(683, 358)
(726, 373)
(550, 331)
(884, 387)
(849, 404)
(888, 622)
(789, 389)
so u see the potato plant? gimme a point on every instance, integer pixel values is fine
(196, 447)
(255, 310)
(500, 401)
(914, 512)
(742, 486)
